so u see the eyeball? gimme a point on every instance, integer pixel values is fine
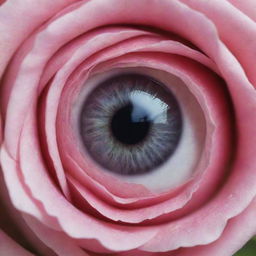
(141, 125)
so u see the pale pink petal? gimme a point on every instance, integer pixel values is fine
(54, 94)
(236, 30)
(17, 193)
(49, 106)
(218, 132)
(246, 6)
(13, 12)
(203, 226)
(12, 222)
(60, 243)
(75, 223)
(167, 46)
(238, 231)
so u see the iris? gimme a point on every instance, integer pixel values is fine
(130, 124)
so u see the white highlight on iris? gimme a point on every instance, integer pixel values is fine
(156, 109)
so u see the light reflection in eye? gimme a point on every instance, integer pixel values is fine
(180, 164)
(156, 109)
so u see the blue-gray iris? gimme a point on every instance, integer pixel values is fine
(130, 124)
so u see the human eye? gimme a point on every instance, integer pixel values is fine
(141, 125)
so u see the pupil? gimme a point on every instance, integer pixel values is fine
(130, 124)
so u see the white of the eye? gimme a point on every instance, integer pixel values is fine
(182, 163)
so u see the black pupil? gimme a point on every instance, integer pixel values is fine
(130, 124)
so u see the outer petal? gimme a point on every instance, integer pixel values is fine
(22, 12)
(236, 30)
(238, 231)
(246, 6)
(13, 223)
(57, 241)
(11, 248)
(192, 28)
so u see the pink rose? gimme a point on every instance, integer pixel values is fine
(68, 188)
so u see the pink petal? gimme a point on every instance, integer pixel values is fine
(60, 243)
(218, 130)
(238, 231)
(204, 226)
(246, 6)
(235, 29)
(54, 95)
(11, 248)
(13, 12)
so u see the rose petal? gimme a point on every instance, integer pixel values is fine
(240, 188)
(52, 100)
(232, 238)
(57, 241)
(71, 220)
(234, 28)
(12, 222)
(217, 120)
(9, 247)
(21, 12)
(246, 6)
